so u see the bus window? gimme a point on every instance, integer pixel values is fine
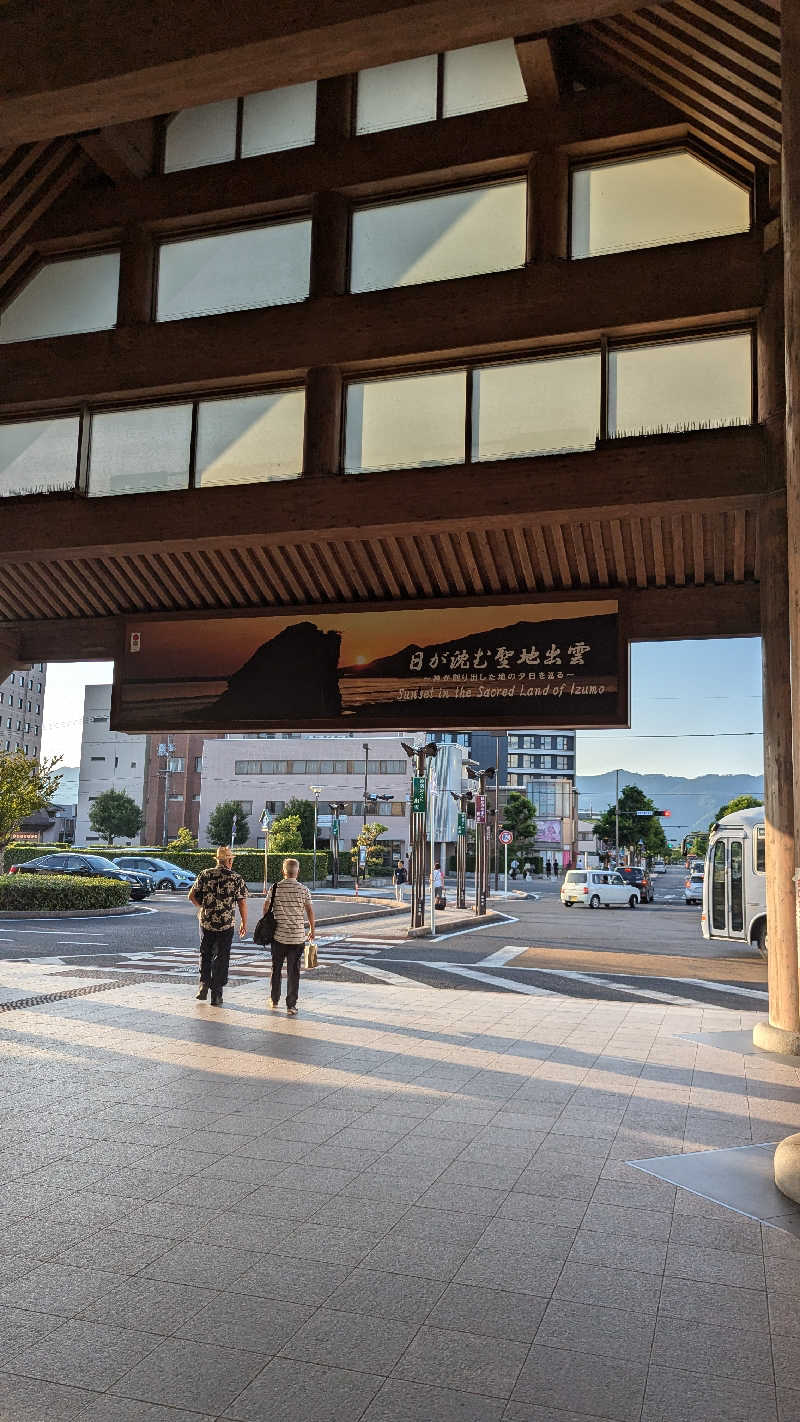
(758, 850)
(737, 887)
(718, 887)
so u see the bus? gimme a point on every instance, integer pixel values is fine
(735, 888)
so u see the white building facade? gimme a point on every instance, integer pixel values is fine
(268, 773)
(110, 760)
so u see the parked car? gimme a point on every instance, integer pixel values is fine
(640, 879)
(693, 890)
(85, 865)
(163, 874)
(593, 887)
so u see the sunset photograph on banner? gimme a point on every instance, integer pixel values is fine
(511, 664)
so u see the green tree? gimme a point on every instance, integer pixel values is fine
(304, 810)
(183, 840)
(25, 787)
(519, 816)
(221, 823)
(369, 836)
(285, 836)
(739, 802)
(115, 813)
(635, 828)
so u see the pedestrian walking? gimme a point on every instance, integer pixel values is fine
(398, 879)
(292, 906)
(439, 896)
(217, 893)
(526, 869)
(514, 868)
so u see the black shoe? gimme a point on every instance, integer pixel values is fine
(216, 999)
(203, 993)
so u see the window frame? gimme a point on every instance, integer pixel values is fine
(238, 156)
(40, 260)
(439, 115)
(636, 152)
(437, 188)
(283, 217)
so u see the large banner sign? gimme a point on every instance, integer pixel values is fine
(457, 668)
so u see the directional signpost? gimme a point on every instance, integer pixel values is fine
(506, 838)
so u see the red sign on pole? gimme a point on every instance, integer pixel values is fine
(505, 837)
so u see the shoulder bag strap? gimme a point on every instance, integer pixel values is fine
(272, 896)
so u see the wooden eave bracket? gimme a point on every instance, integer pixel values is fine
(539, 64)
(124, 150)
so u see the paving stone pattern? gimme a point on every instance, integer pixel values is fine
(405, 1205)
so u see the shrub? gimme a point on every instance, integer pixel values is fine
(60, 891)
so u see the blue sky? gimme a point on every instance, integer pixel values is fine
(684, 696)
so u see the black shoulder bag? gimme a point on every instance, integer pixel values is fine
(266, 928)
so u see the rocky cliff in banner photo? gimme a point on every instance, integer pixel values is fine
(295, 674)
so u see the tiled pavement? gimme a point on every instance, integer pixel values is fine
(405, 1205)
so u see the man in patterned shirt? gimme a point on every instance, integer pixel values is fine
(217, 892)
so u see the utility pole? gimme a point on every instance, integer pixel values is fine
(166, 749)
(616, 825)
(336, 806)
(316, 791)
(365, 748)
(463, 801)
(419, 756)
(481, 842)
(497, 810)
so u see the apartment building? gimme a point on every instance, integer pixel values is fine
(22, 709)
(110, 760)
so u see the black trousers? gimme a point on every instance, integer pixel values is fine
(292, 952)
(215, 955)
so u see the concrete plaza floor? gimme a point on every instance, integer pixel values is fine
(405, 1205)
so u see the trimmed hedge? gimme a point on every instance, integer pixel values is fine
(247, 862)
(32, 892)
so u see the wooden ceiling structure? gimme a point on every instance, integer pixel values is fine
(669, 522)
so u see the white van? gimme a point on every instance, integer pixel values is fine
(593, 887)
(735, 888)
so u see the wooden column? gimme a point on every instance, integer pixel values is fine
(323, 422)
(548, 205)
(783, 1033)
(136, 278)
(787, 1154)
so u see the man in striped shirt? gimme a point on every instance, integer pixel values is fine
(292, 907)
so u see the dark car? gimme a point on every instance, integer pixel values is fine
(86, 865)
(633, 874)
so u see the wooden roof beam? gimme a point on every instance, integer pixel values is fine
(538, 63)
(124, 150)
(708, 469)
(68, 69)
(545, 305)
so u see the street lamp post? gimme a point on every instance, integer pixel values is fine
(316, 791)
(167, 750)
(481, 842)
(336, 809)
(463, 800)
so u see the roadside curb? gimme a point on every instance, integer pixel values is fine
(471, 920)
(120, 912)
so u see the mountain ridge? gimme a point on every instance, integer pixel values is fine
(693, 801)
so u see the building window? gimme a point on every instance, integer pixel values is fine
(99, 720)
(247, 807)
(251, 439)
(536, 407)
(651, 201)
(195, 799)
(64, 297)
(234, 271)
(454, 234)
(38, 456)
(679, 385)
(97, 757)
(239, 128)
(176, 797)
(133, 765)
(406, 422)
(175, 764)
(140, 450)
(485, 76)
(198, 764)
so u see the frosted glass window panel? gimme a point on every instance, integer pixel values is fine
(202, 135)
(485, 76)
(536, 407)
(234, 271)
(279, 118)
(650, 202)
(438, 238)
(680, 385)
(38, 456)
(394, 95)
(250, 440)
(408, 422)
(64, 297)
(140, 451)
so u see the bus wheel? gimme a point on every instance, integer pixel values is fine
(762, 938)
